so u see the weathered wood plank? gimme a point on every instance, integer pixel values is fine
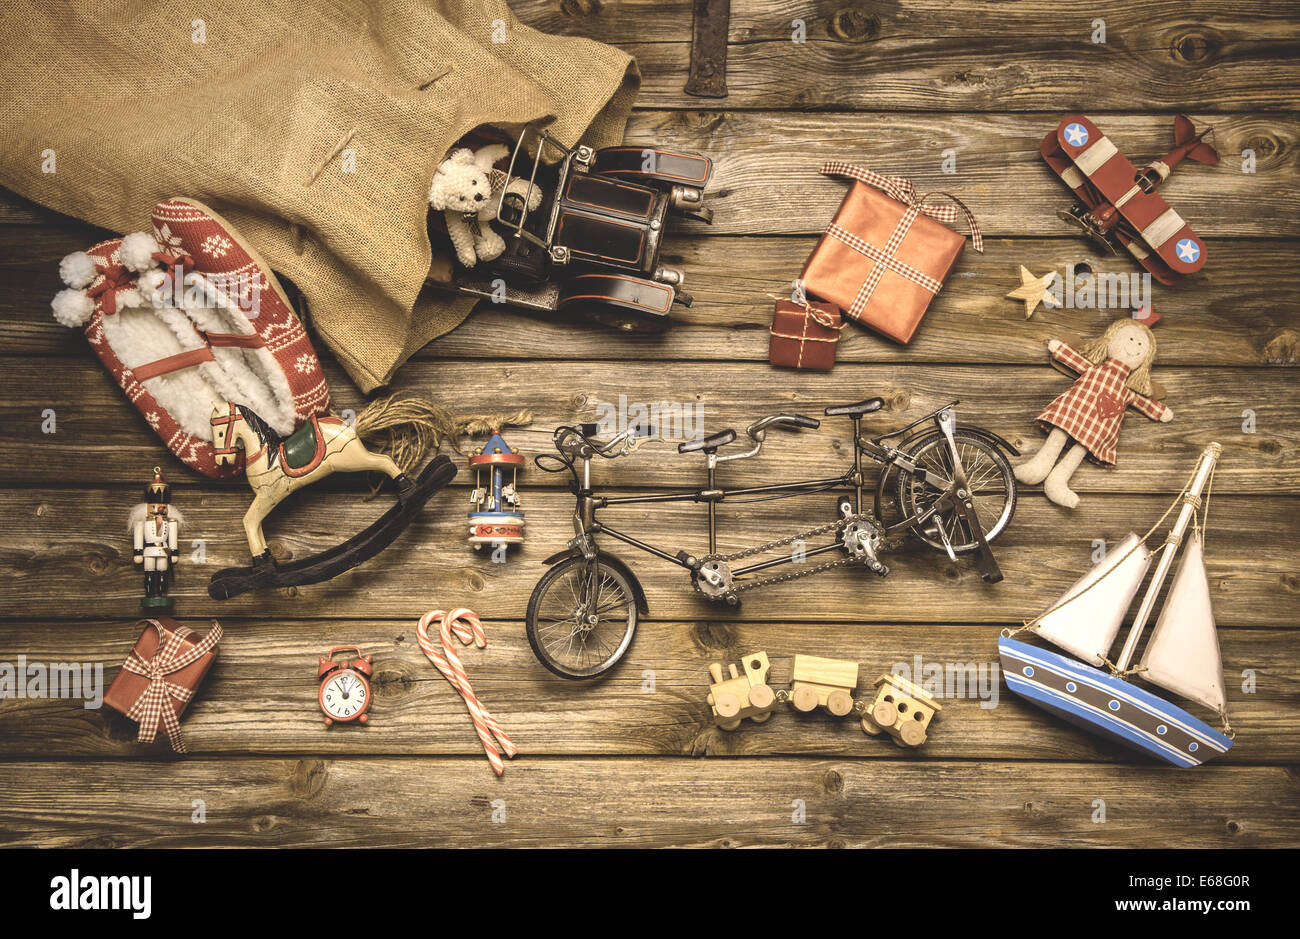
(261, 695)
(1232, 316)
(66, 555)
(100, 438)
(628, 21)
(964, 56)
(766, 178)
(640, 803)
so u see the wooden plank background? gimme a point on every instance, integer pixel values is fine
(633, 760)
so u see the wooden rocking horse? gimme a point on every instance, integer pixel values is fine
(276, 466)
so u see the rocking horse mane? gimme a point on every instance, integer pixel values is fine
(265, 432)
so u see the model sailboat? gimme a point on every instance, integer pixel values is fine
(1181, 656)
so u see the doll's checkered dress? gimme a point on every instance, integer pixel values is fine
(1092, 410)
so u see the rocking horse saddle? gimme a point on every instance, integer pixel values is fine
(304, 448)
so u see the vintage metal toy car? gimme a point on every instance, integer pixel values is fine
(591, 248)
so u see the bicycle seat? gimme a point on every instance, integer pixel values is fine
(708, 444)
(855, 410)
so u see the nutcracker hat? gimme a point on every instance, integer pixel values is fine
(158, 492)
(187, 314)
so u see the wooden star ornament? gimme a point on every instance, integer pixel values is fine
(1033, 290)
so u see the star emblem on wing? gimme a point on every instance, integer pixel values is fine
(1188, 250)
(1076, 135)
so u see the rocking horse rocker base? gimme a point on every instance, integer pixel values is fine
(265, 572)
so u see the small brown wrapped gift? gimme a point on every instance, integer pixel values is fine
(160, 676)
(804, 335)
(885, 255)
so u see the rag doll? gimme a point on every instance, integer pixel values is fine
(1114, 375)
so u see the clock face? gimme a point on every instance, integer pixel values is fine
(344, 695)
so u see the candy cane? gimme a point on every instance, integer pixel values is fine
(465, 626)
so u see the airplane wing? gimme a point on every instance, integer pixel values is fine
(1091, 165)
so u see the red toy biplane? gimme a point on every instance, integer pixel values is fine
(1120, 203)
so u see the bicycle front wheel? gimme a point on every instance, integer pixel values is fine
(992, 485)
(581, 617)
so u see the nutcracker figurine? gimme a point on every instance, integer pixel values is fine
(155, 527)
(495, 517)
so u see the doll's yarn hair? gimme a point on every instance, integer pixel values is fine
(1097, 352)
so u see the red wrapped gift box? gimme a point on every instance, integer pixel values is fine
(160, 676)
(885, 254)
(804, 335)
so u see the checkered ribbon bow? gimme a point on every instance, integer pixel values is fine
(900, 188)
(154, 706)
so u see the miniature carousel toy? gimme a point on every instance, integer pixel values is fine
(495, 518)
(276, 467)
(155, 528)
(1182, 655)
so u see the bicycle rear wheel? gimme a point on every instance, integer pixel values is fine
(992, 485)
(581, 618)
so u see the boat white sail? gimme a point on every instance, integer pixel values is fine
(1183, 651)
(1086, 627)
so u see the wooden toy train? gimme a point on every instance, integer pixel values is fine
(900, 708)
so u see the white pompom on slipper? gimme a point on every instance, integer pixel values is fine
(150, 286)
(137, 251)
(72, 307)
(78, 270)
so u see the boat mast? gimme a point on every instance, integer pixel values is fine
(1191, 501)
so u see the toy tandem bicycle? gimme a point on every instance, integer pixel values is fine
(952, 485)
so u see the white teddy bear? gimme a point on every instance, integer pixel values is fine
(463, 189)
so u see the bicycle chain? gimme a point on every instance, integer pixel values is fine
(792, 575)
(838, 525)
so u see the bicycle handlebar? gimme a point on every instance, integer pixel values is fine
(785, 421)
(587, 432)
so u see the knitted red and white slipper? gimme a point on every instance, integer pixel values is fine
(188, 316)
(256, 305)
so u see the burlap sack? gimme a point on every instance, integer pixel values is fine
(314, 126)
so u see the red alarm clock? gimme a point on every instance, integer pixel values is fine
(345, 686)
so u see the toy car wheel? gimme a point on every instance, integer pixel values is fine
(728, 705)
(884, 714)
(632, 304)
(913, 735)
(761, 696)
(804, 699)
(839, 703)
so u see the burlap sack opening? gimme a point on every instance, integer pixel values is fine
(313, 127)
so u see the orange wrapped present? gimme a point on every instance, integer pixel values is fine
(886, 254)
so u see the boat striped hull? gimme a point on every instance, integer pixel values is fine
(1108, 706)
